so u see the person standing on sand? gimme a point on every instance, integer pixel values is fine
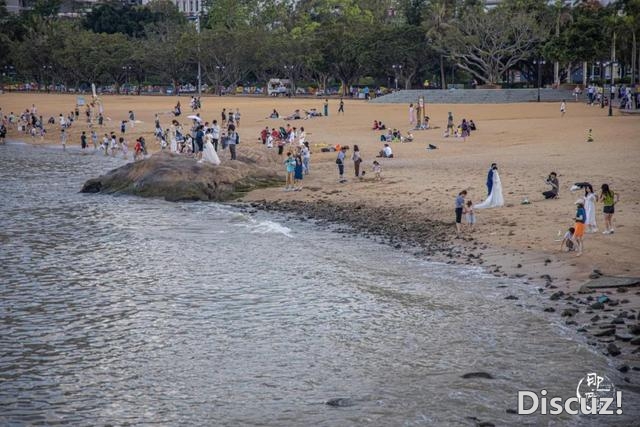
(237, 118)
(357, 159)
(563, 108)
(459, 208)
(83, 140)
(94, 140)
(63, 139)
(340, 163)
(298, 175)
(608, 199)
(590, 209)
(449, 125)
(326, 107)
(290, 167)
(579, 226)
(223, 117)
(470, 214)
(412, 115)
(232, 140)
(215, 133)
(490, 178)
(306, 157)
(341, 107)
(132, 119)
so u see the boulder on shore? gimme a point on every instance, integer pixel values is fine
(175, 178)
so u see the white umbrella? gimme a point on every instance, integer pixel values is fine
(194, 117)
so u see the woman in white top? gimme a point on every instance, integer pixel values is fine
(302, 137)
(590, 209)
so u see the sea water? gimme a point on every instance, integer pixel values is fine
(119, 310)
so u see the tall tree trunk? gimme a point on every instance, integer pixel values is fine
(633, 57)
(585, 70)
(556, 64)
(443, 81)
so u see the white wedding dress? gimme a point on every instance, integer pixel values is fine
(590, 210)
(209, 154)
(495, 199)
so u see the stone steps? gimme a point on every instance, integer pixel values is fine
(476, 96)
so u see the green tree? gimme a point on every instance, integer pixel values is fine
(487, 44)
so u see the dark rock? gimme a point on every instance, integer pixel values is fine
(597, 306)
(624, 337)
(570, 323)
(511, 411)
(595, 318)
(340, 402)
(635, 341)
(605, 333)
(613, 302)
(549, 309)
(398, 246)
(634, 329)
(556, 295)
(622, 289)
(177, 178)
(569, 312)
(613, 350)
(478, 375)
(617, 321)
(513, 297)
(546, 277)
(598, 272)
(623, 368)
(581, 330)
(486, 424)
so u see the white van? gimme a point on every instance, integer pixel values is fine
(279, 87)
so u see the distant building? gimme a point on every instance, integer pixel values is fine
(16, 6)
(78, 7)
(188, 7)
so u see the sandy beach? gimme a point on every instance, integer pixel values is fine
(527, 141)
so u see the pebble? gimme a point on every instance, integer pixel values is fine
(613, 350)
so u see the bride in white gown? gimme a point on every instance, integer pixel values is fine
(495, 199)
(209, 155)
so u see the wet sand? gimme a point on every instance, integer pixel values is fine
(414, 202)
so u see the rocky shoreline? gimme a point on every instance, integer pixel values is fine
(605, 316)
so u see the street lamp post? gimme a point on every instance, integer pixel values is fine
(540, 62)
(601, 65)
(397, 70)
(612, 83)
(199, 68)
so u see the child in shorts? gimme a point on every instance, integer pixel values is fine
(567, 240)
(470, 215)
(377, 170)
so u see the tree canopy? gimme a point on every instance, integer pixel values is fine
(315, 41)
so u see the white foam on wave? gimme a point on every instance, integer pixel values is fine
(267, 227)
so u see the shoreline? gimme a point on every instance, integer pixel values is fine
(432, 241)
(527, 140)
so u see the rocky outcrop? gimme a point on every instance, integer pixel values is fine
(177, 178)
